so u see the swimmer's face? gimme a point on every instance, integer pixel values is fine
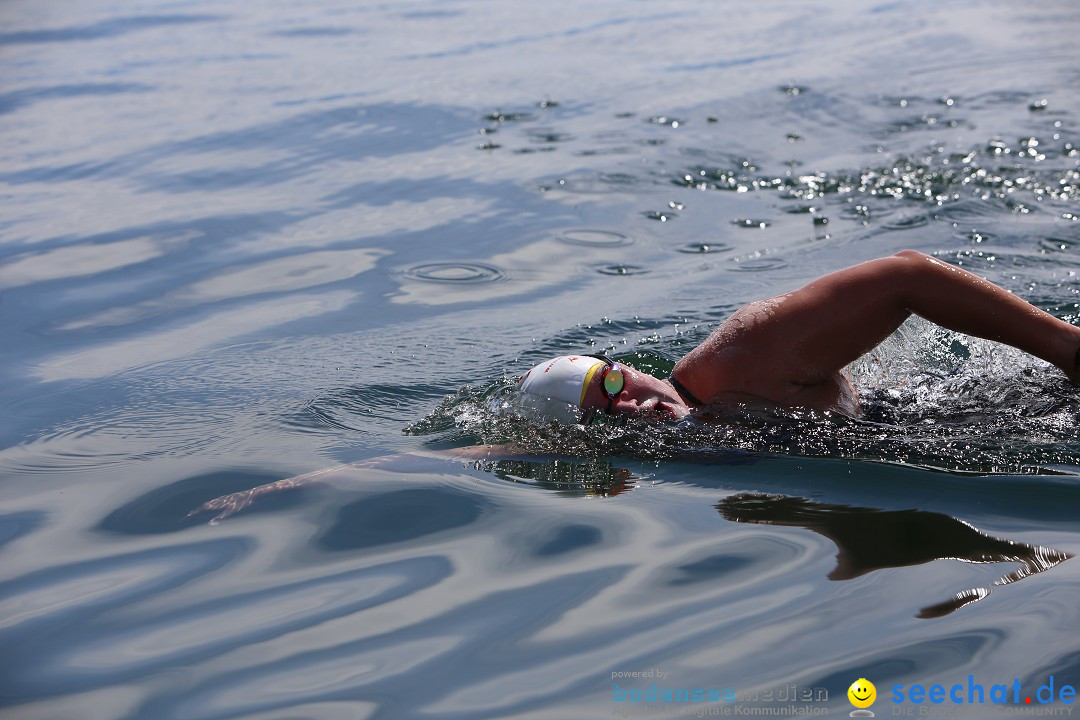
(862, 693)
(642, 394)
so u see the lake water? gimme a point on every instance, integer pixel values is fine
(243, 241)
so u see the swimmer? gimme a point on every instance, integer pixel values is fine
(786, 351)
(791, 350)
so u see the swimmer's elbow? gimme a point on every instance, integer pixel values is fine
(911, 255)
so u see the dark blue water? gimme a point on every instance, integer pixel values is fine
(244, 241)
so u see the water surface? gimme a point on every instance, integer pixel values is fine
(244, 241)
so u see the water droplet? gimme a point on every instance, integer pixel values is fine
(704, 248)
(976, 236)
(622, 270)
(750, 223)
(501, 117)
(665, 120)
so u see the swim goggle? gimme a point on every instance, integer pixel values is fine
(612, 382)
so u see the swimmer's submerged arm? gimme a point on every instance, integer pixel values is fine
(233, 503)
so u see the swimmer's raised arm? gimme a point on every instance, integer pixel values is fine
(791, 349)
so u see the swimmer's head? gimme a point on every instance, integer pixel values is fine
(565, 379)
(561, 386)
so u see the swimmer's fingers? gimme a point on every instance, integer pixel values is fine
(227, 505)
(233, 503)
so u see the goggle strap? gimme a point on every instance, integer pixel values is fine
(588, 379)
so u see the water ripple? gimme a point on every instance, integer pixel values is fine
(455, 272)
(110, 28)
(1060, 244)
(911, 222)
(17, 524)
(758, 264)
(16, 99)
(352, 408)
(595, 238)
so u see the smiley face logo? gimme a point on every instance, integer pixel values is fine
(862, 693)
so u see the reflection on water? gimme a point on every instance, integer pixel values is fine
(696, 587)
(295, 272)
(163, 345)
(592, 477)
(868, 539)
(66, 262)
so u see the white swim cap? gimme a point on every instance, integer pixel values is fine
(565, 378)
